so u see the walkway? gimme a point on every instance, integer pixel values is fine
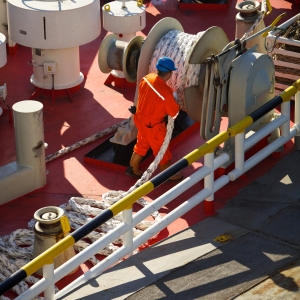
(259, 258)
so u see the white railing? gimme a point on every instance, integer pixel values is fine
(211, 185)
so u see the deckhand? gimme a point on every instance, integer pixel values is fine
(155, 102)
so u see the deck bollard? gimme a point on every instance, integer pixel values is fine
(29, 132)
(48, 230)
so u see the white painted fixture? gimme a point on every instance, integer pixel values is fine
(54, 30)
(3, 55)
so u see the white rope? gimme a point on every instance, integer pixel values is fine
(178, 46)
(86, 141)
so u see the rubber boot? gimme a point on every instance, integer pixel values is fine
(175, 177)
(133, 169)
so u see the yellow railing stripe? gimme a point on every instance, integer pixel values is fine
(207, 147)
(129, 199)
(290, 91)
(240, 126)
(48, 256)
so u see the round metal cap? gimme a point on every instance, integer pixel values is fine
(248, 6)
(48, 215)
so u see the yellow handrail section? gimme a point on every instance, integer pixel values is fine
(48, 256)
(269, 6)
(273, 24)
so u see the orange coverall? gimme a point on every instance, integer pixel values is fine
(150, 113)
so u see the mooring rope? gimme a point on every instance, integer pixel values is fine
(78, 211)
(178, 46)
(16, 249)
(86, 141)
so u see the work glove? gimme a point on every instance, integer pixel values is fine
(132, 109)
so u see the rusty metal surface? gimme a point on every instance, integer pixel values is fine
(282, 286)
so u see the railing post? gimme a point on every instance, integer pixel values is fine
(285, 111)
(297, 119)
(240, 151)
(128, 235)
(48, 273)
(209, 183)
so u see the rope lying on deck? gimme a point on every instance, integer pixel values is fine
(16, 249)
(86, 141)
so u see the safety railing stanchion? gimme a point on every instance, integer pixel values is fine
(285, 111)
(128, 235)
(240, 152)
(209, 183)
(48, 273)
(297, 119)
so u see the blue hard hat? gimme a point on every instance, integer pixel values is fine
(165, 64)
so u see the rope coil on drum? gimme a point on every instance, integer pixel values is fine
(178, 46)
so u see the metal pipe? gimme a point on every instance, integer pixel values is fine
(29, 135)
(138, 217)
(258, 157)
(209, 179)
(48, 273)
(128, 235)
(263, 132)
(240, 151)
(285, 111)
(297, 119)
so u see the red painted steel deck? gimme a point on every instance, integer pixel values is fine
(96, 107)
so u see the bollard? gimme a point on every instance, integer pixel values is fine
(29, 132)
(48, 231)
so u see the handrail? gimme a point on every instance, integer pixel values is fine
(47, 257)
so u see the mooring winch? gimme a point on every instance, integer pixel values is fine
(215, 78)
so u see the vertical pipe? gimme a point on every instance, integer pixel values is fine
(29, 135)
(3, 55)
(297, 119)
(240, 151)
(209, 183)
(48, 273)
(128, 235)
(285, 111)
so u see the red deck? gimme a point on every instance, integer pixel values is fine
(96, 107)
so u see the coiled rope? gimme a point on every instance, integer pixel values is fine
(16, 249)
(178, 46)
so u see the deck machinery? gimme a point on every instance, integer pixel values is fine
(232, 80)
